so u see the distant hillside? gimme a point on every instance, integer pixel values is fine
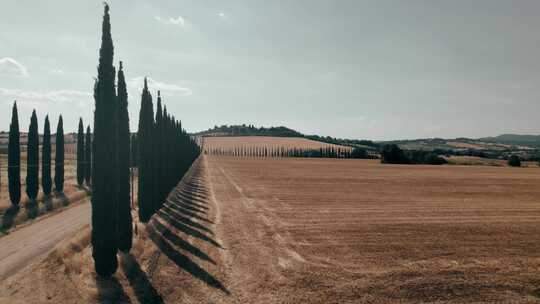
(250, 130)
(515, 139)
(281, 131)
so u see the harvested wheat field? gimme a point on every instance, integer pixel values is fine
(293, 230)
(231, 142)
(348, 231)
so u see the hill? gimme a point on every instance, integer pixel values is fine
(515, 139)
(281, 131)
(250, 130)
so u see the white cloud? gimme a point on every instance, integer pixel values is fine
(51, 96)
(222, 15)
(137, 83)
(57, 72)
(179, 21)
(10, 67)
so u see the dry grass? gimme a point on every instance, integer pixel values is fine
(319, 231)
(479, 161)
(231, 142)
(349, 231)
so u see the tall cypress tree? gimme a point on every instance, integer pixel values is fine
(14, 158)
(59, 157)
(88, 156)
(32, 159)
(80, 153)
(146, 170)
(104, 190)
(46, 181)
(159, 182)
(125, 232)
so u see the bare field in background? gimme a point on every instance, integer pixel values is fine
(349, 231)
(231, 142)
(479, 161)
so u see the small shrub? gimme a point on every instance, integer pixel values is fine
(359, 153)
(514, 161)
(392, 154)
(434, 159)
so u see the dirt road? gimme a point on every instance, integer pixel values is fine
(26, 245)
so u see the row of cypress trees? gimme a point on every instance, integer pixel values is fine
(326, 152)
(32, 159)
(84, 155)
(166, 152)
(163, 151)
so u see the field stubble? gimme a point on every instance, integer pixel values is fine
(344, 231)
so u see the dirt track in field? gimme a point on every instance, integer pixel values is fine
(26, 245)
(350, 231)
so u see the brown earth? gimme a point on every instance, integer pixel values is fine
(231, 142)
(479, 161)
(251, 230)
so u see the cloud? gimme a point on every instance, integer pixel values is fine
(179, 21)
(137, 83)
(50, 96)
(57, 72)
(222, 15)
(10, 67)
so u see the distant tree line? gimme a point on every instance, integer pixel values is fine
(262, 151)
(393, 154)
(251, 130)
(33, 162)
(161, 150)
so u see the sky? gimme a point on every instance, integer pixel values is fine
(359, 69)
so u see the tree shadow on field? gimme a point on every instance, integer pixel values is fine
(109, 290)
(183, 261)
(194, 189)
(144, 291)
(32, 208)
(157, 227)
(178, 224)
(48, 202)
(9, 217)
(185, 213)
(63, 198)
(188, 211)
(185, 220)
(190, 199)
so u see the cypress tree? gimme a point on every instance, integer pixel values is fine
(32, 159)
(80, 153)
(88, 156)
(125, 232)
(158, 156)
(59, 157)
(14, 158)
(46, 181)
(146, 170)
(104, 190)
